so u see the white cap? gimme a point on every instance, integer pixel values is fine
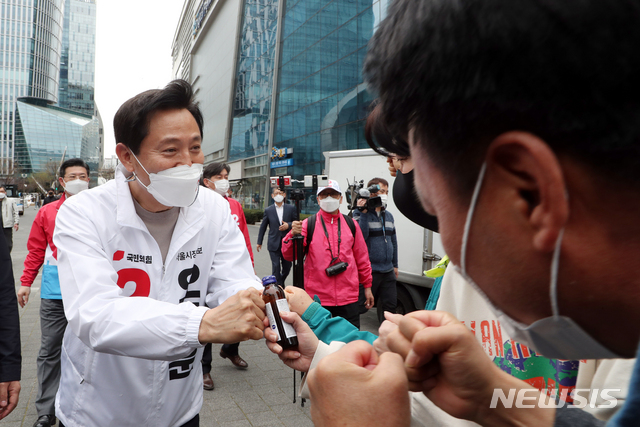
(332, 184)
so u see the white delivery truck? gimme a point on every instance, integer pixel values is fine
(419, 249)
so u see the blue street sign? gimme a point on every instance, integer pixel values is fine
(282, 163)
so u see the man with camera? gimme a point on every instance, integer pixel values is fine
(379, 232)
(337, 259)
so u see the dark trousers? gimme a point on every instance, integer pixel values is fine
(350, 312)
(52, 325)
(384, 293)
(280, 267)
(194, 422)
(8, 236)
(230, 349)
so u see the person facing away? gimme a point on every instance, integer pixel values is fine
(337, 259)
(278, 217)
(139, 259)
(9, 216)
(74, 178)
(216, 177)
(379, 232)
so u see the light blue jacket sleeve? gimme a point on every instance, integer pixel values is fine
(329, 329)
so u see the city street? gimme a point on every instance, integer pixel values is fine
(258, 396)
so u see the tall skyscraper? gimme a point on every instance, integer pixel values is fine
(77, 61)
(30, 46)
(47, 62)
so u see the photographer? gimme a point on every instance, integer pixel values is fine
(379, 232)
(337, 259)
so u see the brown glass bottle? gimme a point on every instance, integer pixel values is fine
(275, 300)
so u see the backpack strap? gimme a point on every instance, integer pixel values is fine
(352, 227)
(311, 226)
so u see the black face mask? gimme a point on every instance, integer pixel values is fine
(408, 203)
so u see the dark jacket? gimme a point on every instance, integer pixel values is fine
(49, 199)
(10, 358)
(270, 218)
(380, 234)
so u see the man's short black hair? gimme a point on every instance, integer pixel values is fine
(458, 73)
(72, 162)
(131, 122)
(378, 182)
(2, 186)
(213, 169)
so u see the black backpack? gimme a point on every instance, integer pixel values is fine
(311, 226)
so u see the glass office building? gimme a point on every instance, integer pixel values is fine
(44, 133)
(47, 56)
(30, 45)
(322, 101)
(77, 62)
(297, 86)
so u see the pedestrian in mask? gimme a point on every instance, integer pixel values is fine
(337, 259)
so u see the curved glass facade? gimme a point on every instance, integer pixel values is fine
(45, 132)
(30, 45)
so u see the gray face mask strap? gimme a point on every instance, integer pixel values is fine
(555, 262)
(134, 176)
(467, 224)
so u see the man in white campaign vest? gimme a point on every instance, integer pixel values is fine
(140, 259)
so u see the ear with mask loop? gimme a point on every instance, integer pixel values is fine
(467, 225)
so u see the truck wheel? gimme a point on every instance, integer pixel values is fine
(405, 302)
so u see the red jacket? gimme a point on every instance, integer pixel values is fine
(238, 214)
(341, 289)
(41, 249)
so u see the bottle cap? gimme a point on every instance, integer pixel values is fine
(268, 280)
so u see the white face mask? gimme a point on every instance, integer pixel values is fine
(222, 186)
(555, 337)
(279, 198)
(383, 199)
(176, 186)
(329, 204)
(2, 196)
(75, 186)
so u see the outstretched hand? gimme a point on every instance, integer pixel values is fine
(239, 318)
(301, 357)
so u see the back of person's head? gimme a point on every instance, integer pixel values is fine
(458, 73)
(70, 163)
(213, 169)
(376, 131)
(131, 122)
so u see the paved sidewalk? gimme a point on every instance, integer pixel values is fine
(261, 395)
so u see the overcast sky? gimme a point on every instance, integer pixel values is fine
(133, 53)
